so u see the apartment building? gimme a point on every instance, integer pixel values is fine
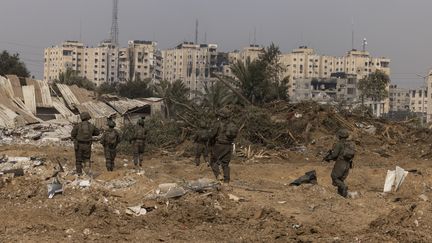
(104, 63)
(191, 63)
(418, 100)
(399, 99)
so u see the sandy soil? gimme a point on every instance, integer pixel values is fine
(271, 210)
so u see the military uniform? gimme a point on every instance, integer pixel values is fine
(342, 165)
(138, 142)
(221, 152)
(201, 140)
(82, 134)
(110, 139)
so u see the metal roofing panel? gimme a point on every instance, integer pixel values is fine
(29, 98)
(60, 106)
(16, 86)
(125, 105)
(68, 96)
(81, 94)
(97, 109)
(6, 87)
(45, 94)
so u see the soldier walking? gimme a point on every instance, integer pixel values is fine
(82, 135)
(222, 145)
(343, 153)
(138, 142)
(201, 140)
(110, 139)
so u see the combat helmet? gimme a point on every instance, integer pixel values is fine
(343, 133)
(85, 116)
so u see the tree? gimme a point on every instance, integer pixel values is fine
(107, 88)
(260, 81)
(136, 89)
(71, 77)
(374, 86)
(173, 94)
(11, 64)
(215, 96)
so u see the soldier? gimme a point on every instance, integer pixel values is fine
(222, 145)
(343, 153)
(201, 140)
(110, 139)
(138, 142)
(82, 134)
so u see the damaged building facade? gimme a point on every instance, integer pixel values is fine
(25, 101)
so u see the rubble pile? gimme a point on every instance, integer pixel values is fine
(38, 134)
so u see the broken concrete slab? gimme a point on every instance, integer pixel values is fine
(394, 178)
(136, 210)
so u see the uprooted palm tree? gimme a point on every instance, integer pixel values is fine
(215, 96)
(173, 94)
(259, 81)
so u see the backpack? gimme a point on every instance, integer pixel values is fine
(111, 138)
(85, 132)
(349, 150)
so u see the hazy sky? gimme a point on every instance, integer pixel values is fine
(398, 29)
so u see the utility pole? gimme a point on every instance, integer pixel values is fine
(423, 90)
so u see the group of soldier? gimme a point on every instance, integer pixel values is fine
(216, 140)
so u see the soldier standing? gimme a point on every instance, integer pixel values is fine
(222, 140)
(110, 139)
(138, 142)
(201, 140)
(343, 153)
(82, 135)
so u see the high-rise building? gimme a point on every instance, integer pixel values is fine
(399, 99)
(191, 63)
(104, 63)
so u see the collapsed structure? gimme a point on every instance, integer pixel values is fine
(24, 101)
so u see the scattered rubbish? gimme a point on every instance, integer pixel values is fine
(136, 210)
(217, 206)
(55, 187)
(86, 231)
(235, 198)
(84, 183)
(165, 187)
(15, 172)
(296, 226)
(282, 202)
(308, 178)
(353, 195)
(394, 178)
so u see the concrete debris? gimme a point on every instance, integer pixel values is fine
(136, 210)
(394, 178)
(236, 198)
(371, 129)
(353, 195)
(84, 183)
(175, 192)
(165, 187)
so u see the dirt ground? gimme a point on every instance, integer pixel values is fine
(272, 211)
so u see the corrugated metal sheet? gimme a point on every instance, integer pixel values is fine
(29, 98)
(42, 93)
(82, 95)
(60, 106)
(97, 109)
(6, 87)
(45, 94)
(7, 117)
(68, 96)
(16, 86)
(126, 105)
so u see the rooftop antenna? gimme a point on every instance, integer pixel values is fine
(205, 37)
(352, 33)
(80, 33)
(364, 44)
(114, 25)
(254, 40)
(196, 31)
(249, 38)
